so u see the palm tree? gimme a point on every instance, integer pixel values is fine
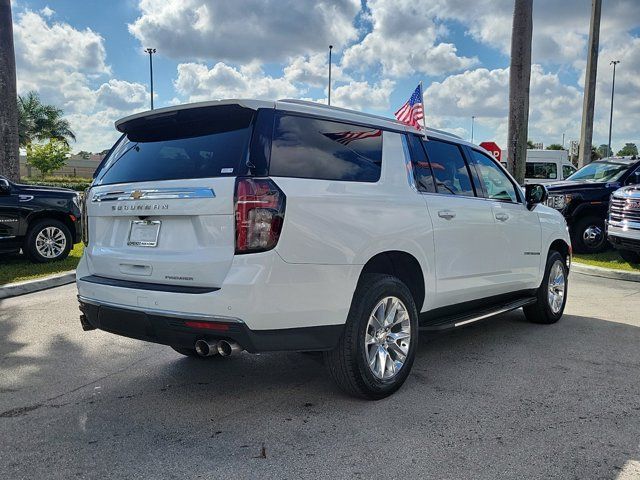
(9, 153)
(38, 121)
(519, 81)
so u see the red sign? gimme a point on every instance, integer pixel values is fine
(493, 148)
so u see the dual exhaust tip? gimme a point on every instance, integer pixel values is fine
(224, 348)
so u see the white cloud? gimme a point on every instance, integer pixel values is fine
(47, 12)
(554, 108)
(244, 30)
(123, 95)
(62, 64)
(198, 82)
(362, 95)
(314, 70)
(405, 39)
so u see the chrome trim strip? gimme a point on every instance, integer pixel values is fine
(158, 311)
(153, 194)
(507, 308)
(624, 224)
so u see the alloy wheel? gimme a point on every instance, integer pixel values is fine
(387, 338)
(557, 287)
(51, 242)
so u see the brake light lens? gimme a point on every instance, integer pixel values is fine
(259, 211)
(84, 224)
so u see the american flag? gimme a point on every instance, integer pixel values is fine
(411, 112)
(345, 138)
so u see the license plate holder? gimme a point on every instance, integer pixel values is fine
(144, 233)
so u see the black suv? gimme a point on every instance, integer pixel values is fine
(583, 199)
(42, 221)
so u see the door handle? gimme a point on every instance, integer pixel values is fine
(446, 214)
(502, 216)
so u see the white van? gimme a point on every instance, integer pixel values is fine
(546, 166)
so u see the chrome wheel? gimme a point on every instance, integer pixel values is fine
(557, 287)
(387, 338)
(592, 236)
(51, 242)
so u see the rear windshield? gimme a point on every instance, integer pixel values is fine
(195, 143)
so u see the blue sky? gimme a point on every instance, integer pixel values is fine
(87, 57)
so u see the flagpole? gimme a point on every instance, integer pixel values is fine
(424, 122)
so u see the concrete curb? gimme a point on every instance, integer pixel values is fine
(577, 267)
(21, 288)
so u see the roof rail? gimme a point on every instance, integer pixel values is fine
(368, 115)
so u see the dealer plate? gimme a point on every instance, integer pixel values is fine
(144, 233)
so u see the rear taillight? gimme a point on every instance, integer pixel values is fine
(84, 219)
(259, 210)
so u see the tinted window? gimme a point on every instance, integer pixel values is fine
(449, 168)
(567, 170)
(421, 169)
(496, 184)
(541, 170)
(312, 148)
(601, 172)
(196, 143)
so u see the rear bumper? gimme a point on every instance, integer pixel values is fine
(183, 331)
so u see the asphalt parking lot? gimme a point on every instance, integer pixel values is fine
(500, 399)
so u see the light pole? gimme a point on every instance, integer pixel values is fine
(563, 141)
(151, 51)
(613, 87)
(329, 91)
(473, 118)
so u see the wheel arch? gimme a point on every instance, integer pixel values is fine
(403, 266)
(53, 215)
(560, 246)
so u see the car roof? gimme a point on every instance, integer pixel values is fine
(300, 106)
(619, 160)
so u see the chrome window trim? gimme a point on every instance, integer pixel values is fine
(161, 312)
(153, 194)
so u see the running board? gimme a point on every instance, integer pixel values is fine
(454, 321)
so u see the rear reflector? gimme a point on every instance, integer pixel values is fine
(221, 327)
(259, 210)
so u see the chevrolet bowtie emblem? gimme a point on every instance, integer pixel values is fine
(136, 194)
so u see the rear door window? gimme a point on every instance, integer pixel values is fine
(423, 177)
(541, 170)
(568, 170)
(305, 147)
(449, 168)
(196, 143)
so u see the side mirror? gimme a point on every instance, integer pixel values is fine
(535, 193)
(5, 187)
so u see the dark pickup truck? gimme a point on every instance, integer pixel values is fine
(42, 221)
(584, 197)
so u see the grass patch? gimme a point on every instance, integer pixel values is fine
(608, 259)
(17, 268)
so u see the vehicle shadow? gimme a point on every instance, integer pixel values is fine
(500, 396)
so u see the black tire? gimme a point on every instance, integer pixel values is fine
(541, 311)
(588, 235)
(347, 364)
(630, 256)
(31, 249)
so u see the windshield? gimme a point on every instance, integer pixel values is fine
(600, 172)
(185, 145)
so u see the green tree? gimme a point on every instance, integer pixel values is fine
(84, 154)
(603, 150)
(41, 122)
(9, 153)
(628, 150)
(49, 156)
(530, 145)
(555, 146)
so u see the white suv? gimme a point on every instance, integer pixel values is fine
(264, 226)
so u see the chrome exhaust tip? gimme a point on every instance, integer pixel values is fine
(226, 348)
(205, 349)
